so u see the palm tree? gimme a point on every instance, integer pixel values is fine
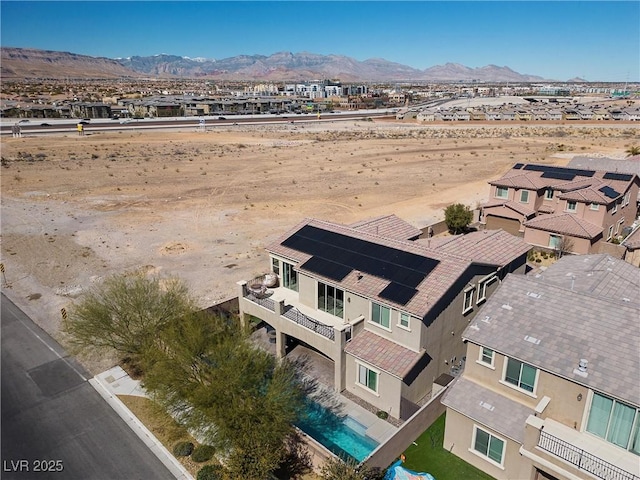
(633, 151)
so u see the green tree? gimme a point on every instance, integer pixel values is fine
(126, 313)
(348, 469)
(240, 397)
(633, 151)
(457, 217)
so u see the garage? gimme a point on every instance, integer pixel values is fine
(511, 225)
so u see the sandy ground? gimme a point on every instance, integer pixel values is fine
(202, 205)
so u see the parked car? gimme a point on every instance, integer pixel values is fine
(125, 120)
(222, 118)
(45, 124)
(24, 120)
(83, 122)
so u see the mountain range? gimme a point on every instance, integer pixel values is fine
(282, 66)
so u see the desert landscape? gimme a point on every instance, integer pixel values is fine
(202, 205)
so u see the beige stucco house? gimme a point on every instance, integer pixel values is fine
(551, 386)
(558, 207)
(386, 307)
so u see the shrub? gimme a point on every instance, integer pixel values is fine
(183, 449)
(382, 414)
(202, 453)
(210, 472)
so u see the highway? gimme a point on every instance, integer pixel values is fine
(54, 424)
(34, 125)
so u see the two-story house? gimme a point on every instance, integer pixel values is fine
(552, 206)
(385, 307)
(551, 385)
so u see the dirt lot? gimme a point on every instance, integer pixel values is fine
(202, 205)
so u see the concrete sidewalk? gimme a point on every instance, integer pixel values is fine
(117, 382)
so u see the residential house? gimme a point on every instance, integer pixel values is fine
(554, 207)
(550, 389)
(386, 307)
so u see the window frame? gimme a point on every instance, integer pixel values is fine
(594, 206)
(401, 316)
(575, 206)
(618, 225)
(481, 357)
(506, 192)
(610, 233)
(548, 194)
(482, 287)
(611, 421)
(467, 297)
(369, 371)
(327, 294)
(275, 265)
(614, 209)
(379, 322)
(522, 192)
(519, 384)
(485, 455)
(289, 273)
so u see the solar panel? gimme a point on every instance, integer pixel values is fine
(398, 293)
(558, 175)
(624, 177)
(326, 268)
(518, 166)
(334, 255)
(609, 192)
(547, 168)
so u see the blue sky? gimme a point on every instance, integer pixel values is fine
(595, 40)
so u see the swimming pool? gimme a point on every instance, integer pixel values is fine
(342, 435)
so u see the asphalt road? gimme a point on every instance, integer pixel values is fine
(54, 424)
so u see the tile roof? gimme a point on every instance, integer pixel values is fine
(565, 224)
(589, 322)
(389, 226)
(487, 407)
(383, 354)
(449, 268)
(493, 247)
(515, 206)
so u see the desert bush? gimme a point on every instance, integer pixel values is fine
(183, 449)
(202, 453)
(210, 472)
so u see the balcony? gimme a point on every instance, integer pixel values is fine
(301, 319)
(564, 452)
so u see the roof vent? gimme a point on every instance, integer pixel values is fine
(582, 368)
(358, 275)
(534, 340)
(486, 319)
(534, 294)
(507, 307)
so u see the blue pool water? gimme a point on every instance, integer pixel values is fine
(342, 435)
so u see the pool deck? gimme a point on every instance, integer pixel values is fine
(321, 369)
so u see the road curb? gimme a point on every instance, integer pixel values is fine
(141, 431)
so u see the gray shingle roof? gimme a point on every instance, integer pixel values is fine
(632, 242)
(628, 165)
(592, 322)
(487, 407)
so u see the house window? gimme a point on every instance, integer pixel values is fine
(571, 206)
(404, 320)
(524, 196)
(520, 374)
(482, 287)
(619, 225)
(615, 422)
(626, 198)
(594, 206)
(381, 315)
(486, 356)
(289, 277)
(488, 445)
(610, 233)
(275, 266)
(467, 303)
(614, 209)
(555, 241)
(502, 192)
(330, 300)
(368, 378)
(548, 194)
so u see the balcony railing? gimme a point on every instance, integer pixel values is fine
(264, 302)
(301, 319)
(583, 460)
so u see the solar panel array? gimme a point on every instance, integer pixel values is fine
(518, 166)
(545, 168)
(335, 255)
(558, 175)
(609, 192)
(624, 177)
